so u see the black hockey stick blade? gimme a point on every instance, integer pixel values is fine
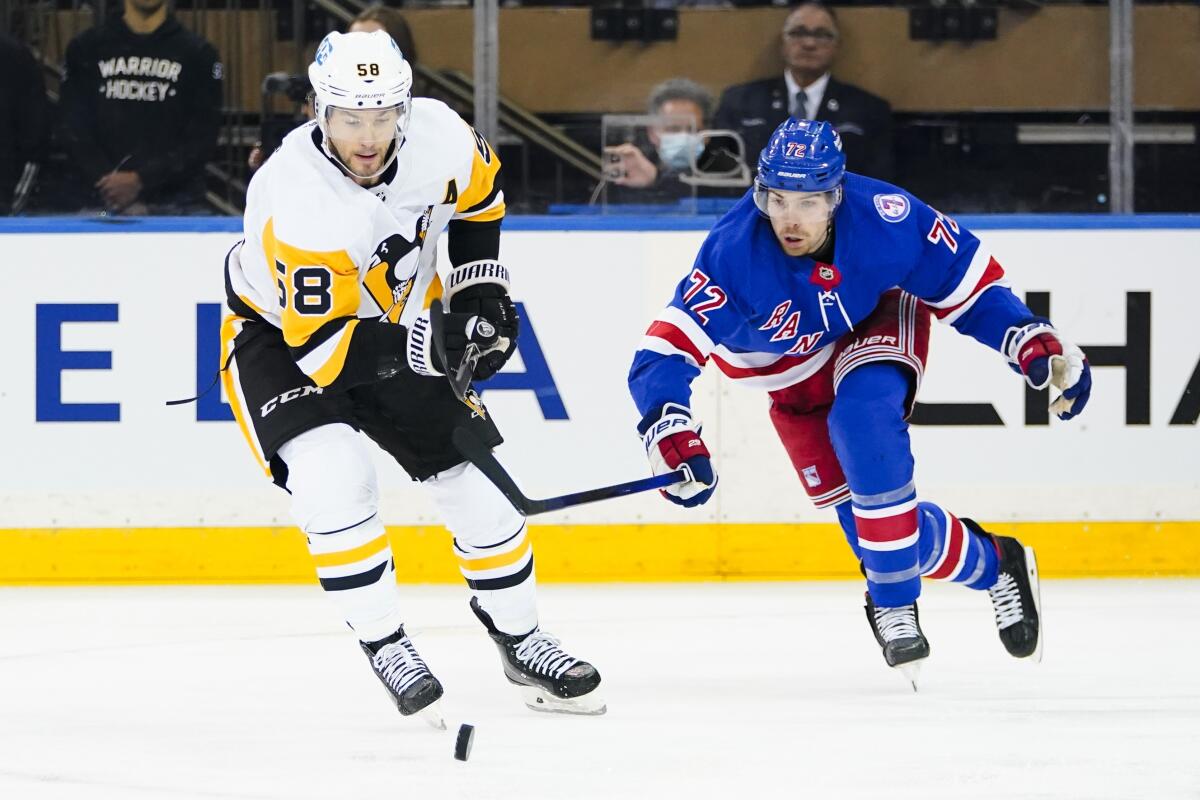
(460, 380)
(478, 453)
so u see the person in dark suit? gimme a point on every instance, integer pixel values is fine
(807, 90)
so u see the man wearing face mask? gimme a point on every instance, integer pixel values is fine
(674, 148)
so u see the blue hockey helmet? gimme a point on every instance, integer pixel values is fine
(802, 156)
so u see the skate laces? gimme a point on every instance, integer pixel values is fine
(897, 623)
(1006, 599)
(541, 653)
(399, 664)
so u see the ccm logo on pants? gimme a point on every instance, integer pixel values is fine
(287, 397)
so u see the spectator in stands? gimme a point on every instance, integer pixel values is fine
(141, 109)
(657, 165)
(23, 126)
(391, 21)
(808, 90)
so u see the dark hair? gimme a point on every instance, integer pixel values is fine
(396, 26)
(680, 89)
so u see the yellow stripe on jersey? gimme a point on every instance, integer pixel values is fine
(315, 287)
(251, 305)
(434, 292)
(332, 367)
(481, 200)
(229, 330)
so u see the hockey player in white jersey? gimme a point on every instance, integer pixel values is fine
(330, 336)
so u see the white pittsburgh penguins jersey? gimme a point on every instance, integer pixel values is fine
(322, 253)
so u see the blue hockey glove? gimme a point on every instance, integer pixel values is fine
(1047, 360)
(671, 440)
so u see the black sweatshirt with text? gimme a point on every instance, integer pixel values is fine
(149, 103)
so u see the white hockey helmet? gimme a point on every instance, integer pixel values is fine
(361, 72)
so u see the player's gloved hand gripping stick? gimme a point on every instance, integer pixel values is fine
(672, 441)
(479, 454)
(459, 374)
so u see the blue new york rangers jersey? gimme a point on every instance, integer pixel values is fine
(769, 320)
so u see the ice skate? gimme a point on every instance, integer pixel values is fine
(1016, 596)
(403, 673)
(898, 632)
(550, 678)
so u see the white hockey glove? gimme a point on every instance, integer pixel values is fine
(1039, 353)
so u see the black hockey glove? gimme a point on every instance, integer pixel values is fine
(491, 302)
(462, 330)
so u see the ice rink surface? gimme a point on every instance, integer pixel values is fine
(721, 690)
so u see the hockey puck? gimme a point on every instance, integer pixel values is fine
(462, 745)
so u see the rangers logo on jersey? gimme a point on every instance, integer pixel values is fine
(892, 207)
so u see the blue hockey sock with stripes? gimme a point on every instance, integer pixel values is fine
(870, 436)
(950, 551)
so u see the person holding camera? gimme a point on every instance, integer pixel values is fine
(674, 147)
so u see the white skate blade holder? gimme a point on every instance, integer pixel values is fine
(1035, 586)
(540, 700)
(911, 672)
(432, 714)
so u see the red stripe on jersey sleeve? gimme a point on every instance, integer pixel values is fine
(676, 338)
(994, 272)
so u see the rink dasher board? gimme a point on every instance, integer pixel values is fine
(1115, 492)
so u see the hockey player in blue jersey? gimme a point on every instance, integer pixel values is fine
(818, 286)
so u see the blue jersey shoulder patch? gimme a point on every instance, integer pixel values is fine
(892, 207)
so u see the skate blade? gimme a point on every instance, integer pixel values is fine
(911, 671)
(537, 699)
(1035, 587)
(432, 714)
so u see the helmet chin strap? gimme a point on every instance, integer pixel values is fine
(824, 239)
(393, 151)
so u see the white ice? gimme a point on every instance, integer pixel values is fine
(714, 690)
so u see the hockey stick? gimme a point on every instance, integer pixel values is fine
(479, 454)
(460, 381)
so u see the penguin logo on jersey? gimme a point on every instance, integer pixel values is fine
(892, 207)
(388, 282)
